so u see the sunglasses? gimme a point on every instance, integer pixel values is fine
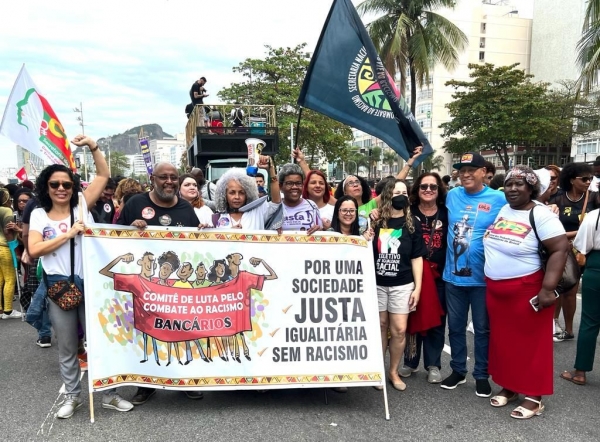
(424, 187)
(67, 185)
(585, 179)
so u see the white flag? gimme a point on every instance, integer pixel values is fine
(30, 122)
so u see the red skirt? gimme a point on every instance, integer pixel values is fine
(521, 347)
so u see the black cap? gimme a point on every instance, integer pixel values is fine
(472, 159)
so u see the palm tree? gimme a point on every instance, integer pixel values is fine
(411, 38)
(432, 163)
(390, 158)
(588, 47)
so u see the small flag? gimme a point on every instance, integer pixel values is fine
(347, 81)
(30, 122)
(21, 174)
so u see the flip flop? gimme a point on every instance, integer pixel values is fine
(572, 377)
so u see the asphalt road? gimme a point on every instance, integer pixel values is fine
(30, 383)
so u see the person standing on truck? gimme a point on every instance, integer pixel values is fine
(237, 116)
(197, 94)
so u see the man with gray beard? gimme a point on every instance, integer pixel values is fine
(159, 207)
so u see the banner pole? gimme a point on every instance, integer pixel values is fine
(92, 406)
(385, 401)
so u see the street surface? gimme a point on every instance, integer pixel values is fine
(30, 384)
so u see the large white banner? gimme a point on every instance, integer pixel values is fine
(217, 310)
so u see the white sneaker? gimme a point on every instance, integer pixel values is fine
(13, 315)
(113, 401)
(70, 404)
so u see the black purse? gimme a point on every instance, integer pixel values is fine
(571, 273)
(65, 294)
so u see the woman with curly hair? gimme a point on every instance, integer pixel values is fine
(125, 188)
(58, 222)
(573, 203)
(235, 189)
(398, 249)
(188, 190)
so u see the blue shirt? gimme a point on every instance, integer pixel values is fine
(469, 215)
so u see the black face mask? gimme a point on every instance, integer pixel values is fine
(399, 202)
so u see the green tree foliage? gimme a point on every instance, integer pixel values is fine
(390, 159)
(432, 164)
(276, 80)
(501, 107)
(411, 38)
(588, 47)
(118, 163)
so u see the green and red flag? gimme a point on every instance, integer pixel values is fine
(30, 122)
(347, 81)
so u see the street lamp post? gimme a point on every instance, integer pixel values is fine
(79, 110)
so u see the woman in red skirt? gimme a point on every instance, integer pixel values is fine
(520, 292)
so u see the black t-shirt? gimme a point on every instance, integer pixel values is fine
(103, 212)
(199, 90)
(393, 249)
(440, 236)
(141, 206)
(569, 211)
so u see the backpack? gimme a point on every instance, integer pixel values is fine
(189, 108)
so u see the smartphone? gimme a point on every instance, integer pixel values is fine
(535, 303)
(15, 218)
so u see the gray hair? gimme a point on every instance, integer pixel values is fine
(287, 170)
(239, 175)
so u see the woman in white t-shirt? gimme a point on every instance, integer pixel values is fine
(298, 213)
(188, 190)
(316, 188)
(236, 190)
(51, 230)
(520, 292)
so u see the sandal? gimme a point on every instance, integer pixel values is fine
(526, 413)
(501, 401)
(572, 377)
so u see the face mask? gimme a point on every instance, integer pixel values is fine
(399, 202)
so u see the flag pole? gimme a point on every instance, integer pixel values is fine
(298, 127)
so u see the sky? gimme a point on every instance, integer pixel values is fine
(132, 62)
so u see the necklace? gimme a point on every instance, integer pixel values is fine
(574, 201)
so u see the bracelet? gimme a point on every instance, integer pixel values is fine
(95, 149)
(273, 179)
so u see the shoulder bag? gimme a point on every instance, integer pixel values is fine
(571, 273)
(580, 257)
(65, 294)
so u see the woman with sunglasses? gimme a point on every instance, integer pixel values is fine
(573, 203)
(57, 221)
(427, 198)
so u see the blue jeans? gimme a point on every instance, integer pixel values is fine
(433, 341)
(37, 313)
(458, 301)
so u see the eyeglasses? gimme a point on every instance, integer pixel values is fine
(22, 201)
(67, 185)
(348, 211)
(293, 184)
(166, 177)
(553, 178)
(585, 179)
(353, 183)
(424, 187)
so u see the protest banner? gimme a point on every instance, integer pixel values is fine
(227, 310)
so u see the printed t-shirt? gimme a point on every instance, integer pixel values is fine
(569, 212)
(301, 217)
(469, 215)
(141, 207)
(393, 250)
(439, 238)
(104, 211)
(367, 208)
(59, 261)
(511, 247)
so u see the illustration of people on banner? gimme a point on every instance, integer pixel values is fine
(213, 308)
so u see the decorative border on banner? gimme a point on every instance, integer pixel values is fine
(215, 235)
(235, 380)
